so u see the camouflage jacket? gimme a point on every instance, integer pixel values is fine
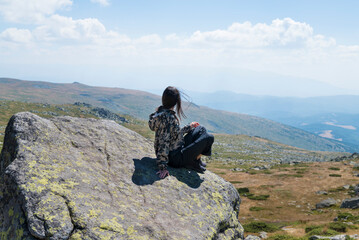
(169, 135)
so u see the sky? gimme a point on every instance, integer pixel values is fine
(265, 47)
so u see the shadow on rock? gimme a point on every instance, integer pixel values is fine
(145, 173)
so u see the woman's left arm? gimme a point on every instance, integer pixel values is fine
(186, 129)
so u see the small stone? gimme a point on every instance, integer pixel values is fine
(263, 235)
(346, 187)
(322, 193)
(252, 237)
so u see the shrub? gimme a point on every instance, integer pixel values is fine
(334, 168)
(255, 227)
(256, 209)
(347, 217)
(312, 227)
(258, 197)
(243, 190)
(285, 237)
(335, 175)
(324, 232)
(233, 182)
(352, 227)
(338, 226)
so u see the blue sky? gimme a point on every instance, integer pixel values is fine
(196, 45)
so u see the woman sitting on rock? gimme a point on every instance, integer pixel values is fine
(171, 146)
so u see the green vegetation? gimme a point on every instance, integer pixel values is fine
(323, 231)
(255, 227)
(256, 209)
(338, 226)
(9, 108)
(312, 227)
(258, 197)
(234, 182)
(140, 104)
(243, 190)
(334, 168)
(285, 237)
(233, 151)
(331, 229)
(338, 189)
(290, 175)
(335, 175)
(347, 217)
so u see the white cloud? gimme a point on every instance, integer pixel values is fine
(34, 11)
(16, 35)
(152, 39)
(101, 2)
(280, 33)
(65, 28)
(284, 46)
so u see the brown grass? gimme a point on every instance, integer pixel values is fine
(292, 199)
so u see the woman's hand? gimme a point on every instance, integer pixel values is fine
(163, 173)
(194, 124)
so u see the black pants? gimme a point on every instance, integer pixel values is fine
(197, 142)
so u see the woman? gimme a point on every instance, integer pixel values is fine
(171, 146)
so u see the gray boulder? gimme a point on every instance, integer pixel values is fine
(325, 203)
(356, 189)
(352, 203)
(72, 178)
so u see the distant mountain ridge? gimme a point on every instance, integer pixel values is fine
(140, 104)
(335, 117)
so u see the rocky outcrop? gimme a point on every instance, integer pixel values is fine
(72, 178)
(337, 237)
(352, 203)
(326, 203)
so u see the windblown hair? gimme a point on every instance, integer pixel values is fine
(172, 97)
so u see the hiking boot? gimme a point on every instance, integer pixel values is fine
(198, 168)
(203, 164)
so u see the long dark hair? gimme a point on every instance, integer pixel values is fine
(171, 97)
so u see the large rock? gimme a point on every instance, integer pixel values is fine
(72, 178)
(352, 203)
(326, 203)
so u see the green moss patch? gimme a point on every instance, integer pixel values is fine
(256, 209)
(258, 197)
(255, 227)
(243, 190)
(335, 175)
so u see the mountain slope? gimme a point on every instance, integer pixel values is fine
(334, 117)
(141, 104)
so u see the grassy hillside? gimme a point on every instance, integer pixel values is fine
(229, 150)
(9, 108)
(241, 151)
(140, 104)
